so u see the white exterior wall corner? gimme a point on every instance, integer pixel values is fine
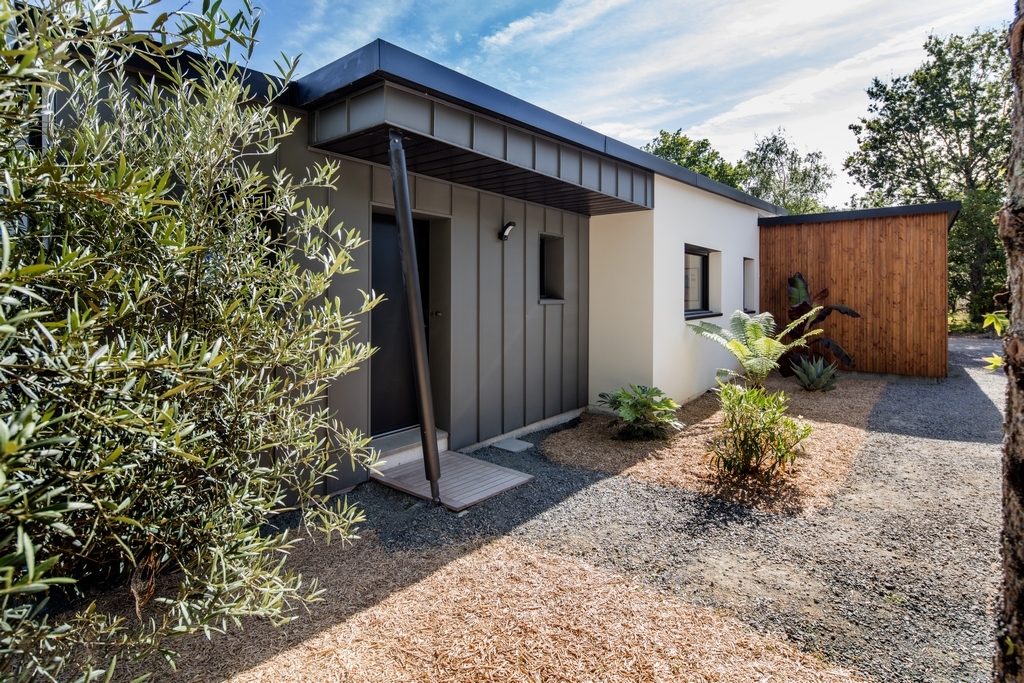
(622, 301)
(684, 365)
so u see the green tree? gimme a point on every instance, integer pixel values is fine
(166, 338)
(778, 173)
(696, 155)
(942, 133)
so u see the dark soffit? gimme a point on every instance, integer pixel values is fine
(427, 156)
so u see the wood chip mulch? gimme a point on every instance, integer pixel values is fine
(839, 419)
(502, 612)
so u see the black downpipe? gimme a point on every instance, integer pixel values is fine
(418, 340)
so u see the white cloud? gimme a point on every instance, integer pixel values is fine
(543, 28)
(627, 132)
(324, 30)
(899, 53)
(437, 43)
(817, 106)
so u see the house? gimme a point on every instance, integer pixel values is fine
(611, 252)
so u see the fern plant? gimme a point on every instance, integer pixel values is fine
(753, 341)
(646, 412)
(814, 375)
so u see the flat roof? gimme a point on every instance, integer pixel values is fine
(952, 209)
(381, 60)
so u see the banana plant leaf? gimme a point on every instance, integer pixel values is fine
(801, 301)
(838, 351)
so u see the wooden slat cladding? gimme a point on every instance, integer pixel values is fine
(891, 270)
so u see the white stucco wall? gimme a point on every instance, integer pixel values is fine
(638, 328)
(685, 364)
(621, 301)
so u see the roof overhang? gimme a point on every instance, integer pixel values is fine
(951, 209)
(452, 143)
(469, 132)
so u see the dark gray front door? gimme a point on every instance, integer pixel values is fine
(393, 403)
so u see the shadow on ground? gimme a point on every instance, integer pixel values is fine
(961, 411)
(407, 539)
(894, 579)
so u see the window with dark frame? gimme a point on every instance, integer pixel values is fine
(695, 280)
(552, 267)
(749, 286)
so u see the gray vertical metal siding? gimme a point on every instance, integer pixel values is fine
(534, 379)
(500, 359)
(489, 315)
(463, 315)
(570, 312)
(583, 348)
(514, 318)
(513, 361)
(348, 397)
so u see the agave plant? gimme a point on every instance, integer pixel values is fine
(814, 375)
(800, 302)
(752, 339)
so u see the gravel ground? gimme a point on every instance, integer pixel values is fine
(896, 579)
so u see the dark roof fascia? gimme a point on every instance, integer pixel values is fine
(258, 82)
(684, 175)
(381, 60)
(950, 208)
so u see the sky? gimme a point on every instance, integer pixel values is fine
(726, 70)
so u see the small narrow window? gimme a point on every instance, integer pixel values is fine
(552, 268)
(696, 281)
(749, 286)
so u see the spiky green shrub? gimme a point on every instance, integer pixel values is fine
(756, 436)
(646, 412)
(814, 375)
(754, 343)
(166, 337)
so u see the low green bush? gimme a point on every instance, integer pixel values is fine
(756, 437)
(814, 375)
(647, 413)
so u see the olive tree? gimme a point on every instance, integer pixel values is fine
(167, 335)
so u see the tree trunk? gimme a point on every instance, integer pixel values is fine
(1009, 655)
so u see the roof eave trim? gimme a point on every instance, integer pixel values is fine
(952, 209)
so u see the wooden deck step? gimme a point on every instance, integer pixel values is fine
(464, 481)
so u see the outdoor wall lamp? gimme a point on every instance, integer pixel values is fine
(506, 230)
